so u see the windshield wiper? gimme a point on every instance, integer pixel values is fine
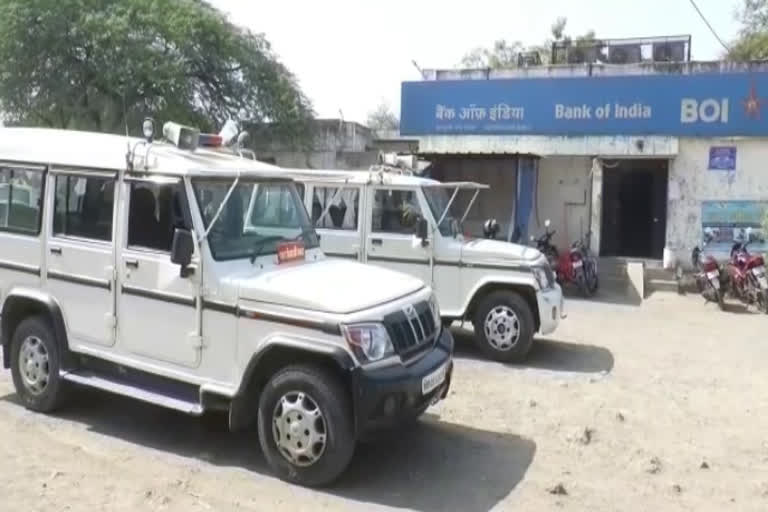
(259, 245)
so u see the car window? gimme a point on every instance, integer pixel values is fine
(343, 207)
(155, 211)
(83, 207)
(21, 193)
(395, 211)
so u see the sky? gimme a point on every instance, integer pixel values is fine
(351, 55)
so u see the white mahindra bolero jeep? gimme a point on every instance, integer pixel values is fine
(415, 225)
(192, 279)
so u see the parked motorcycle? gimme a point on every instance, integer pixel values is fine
(578, 266)
(747, 276)
(709, 279)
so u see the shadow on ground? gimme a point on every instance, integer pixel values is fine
(545, 354)
(618, 296)
(434, 466)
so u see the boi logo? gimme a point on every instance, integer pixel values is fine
(710, 110)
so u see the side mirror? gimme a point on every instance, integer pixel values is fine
(182, 249)
(422, 230)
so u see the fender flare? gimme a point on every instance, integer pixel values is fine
(242, 410)
(521, 281)
(16, 304)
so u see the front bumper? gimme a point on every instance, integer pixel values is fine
(384, 397)
(551, 308)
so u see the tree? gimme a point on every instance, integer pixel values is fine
(504, 54)
(752, 43)
(102, 64)
(383, 118)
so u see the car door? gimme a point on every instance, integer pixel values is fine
(391, 241)
(336, 215)
(80, 270)
(21, 192)
(156, 306)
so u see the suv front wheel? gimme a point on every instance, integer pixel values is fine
(305, 425)
(503, 325)
(35, 365)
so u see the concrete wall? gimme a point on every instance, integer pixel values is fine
(691, 182)
(564, 196)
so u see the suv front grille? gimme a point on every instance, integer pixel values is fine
(411, 333)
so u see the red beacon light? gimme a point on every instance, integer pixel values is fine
(211, 140)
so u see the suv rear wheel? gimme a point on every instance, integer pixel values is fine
(35, 365)
(504, 327)
(305, 425)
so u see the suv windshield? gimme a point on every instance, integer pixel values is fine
(256, 219)
(438, 199)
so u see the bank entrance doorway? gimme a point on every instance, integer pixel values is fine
(634, 208)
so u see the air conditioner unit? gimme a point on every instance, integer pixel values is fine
(669, 52)
(624, 54)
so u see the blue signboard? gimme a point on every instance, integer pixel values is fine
(725, 222)
(722, 104)
(722, 158)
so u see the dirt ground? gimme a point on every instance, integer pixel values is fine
(658, 407)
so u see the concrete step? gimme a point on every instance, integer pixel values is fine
(663, 285)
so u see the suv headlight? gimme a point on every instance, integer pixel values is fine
(370, 342)
(541, 277)
(434, 307)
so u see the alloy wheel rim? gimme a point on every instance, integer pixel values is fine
(34, 365)
(299, 429)
(502, 328)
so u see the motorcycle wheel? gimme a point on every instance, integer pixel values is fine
(590, 278)
(720, 296)
(581, 283)
(762, 301)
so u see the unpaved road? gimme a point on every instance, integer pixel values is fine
(662, 389)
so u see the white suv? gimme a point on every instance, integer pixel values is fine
(194, 280)
(415, 225)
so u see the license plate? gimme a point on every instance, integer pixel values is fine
(713, 274)
(577, 264)
(715, 283)
(434, 379)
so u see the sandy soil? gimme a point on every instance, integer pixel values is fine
(662, 407)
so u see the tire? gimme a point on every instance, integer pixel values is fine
(763, 303)
(37, 382)
(494, 310)
(321, 390)
(592, 280)
(719, 295)
(581, 284)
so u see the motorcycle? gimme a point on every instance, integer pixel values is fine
(578, 266)
(747, 276)
(709, 279)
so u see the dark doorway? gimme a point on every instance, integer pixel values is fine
(634, 209)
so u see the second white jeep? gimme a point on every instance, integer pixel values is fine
(415, 225)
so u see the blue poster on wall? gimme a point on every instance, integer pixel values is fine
(707, 104)
(724, 223)
(722, 158)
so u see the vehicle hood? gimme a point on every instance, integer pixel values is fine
(498, 252)
(332, 286)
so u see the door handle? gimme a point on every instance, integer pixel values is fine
(377, 241)
(56, 251)
(132, 263)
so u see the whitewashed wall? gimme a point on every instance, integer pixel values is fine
(690, 183)
(564, 196)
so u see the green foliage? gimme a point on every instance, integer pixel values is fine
(503, 53)
(752, 43)
(97, 64)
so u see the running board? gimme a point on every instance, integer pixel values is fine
(91, 379)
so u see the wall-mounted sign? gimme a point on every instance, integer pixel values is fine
(725, 222)
(722, 158)
(711, 104)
